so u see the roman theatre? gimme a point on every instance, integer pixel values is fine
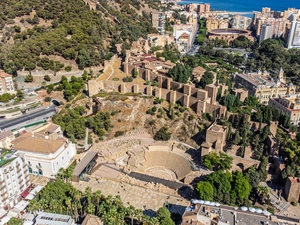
(138, 159)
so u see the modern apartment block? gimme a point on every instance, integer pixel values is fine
(45, 150)
(14, 179)
(6, 83)
(158, 21)
(294, 34)
(240, 22)
(202, 8)
(266, 32)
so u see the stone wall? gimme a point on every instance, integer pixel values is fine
(185, 94)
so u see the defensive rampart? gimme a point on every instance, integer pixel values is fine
(189, 96)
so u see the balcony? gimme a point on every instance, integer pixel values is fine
(2, 194)
(2, 187)
(20, 175)
(18, 170)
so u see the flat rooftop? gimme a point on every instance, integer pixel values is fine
(217, 128)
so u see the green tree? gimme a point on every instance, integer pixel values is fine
(206, 79)
(205, 190)
(28, 78)
(15, 221)
(47, 78)
(164, 216)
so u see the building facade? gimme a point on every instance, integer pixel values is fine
(294, 34)
(158, 21)
(263, 86)
(45, 150)
(14, 180)
(266, 32)
(240, 22)
(6, 83)
(289, 105)
(6, 137)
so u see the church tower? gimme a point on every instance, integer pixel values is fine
(281, 77)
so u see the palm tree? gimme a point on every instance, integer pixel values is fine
(97, 198)
(69, 205)
(131, 213)
(90, 209)
(263, 192)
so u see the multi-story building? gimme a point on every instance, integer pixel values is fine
(6, 137)
(240, 22)
(202, 8)
(6, 83)
(158, 21)
(216, 23)
(14, 179)
(294, 33)
(45, 150)
(292, 189)
(266, 32)
(263, 86)
(289, 105)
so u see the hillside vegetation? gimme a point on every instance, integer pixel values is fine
(31, 31)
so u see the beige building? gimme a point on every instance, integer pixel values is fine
(158, 21)
(241, 22)
(241, 93)
(216, 23)
(159, 40)
(263, 86)
(289, 105)
(292, 189)
(6, 83)
(202, 8)
(6, 137)
(14, 180)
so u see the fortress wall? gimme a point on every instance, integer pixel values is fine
(167, 89)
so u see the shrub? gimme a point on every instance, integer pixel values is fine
(47, 78)
(148, 82)
(119, 133)
(127, 79)
(29, 78)
(47, 99)
(191, 117)
(163, 134)
(115, 79)
(152, 122)
(158, 100)
(68, 68)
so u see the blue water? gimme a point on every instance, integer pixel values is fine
(247, 5)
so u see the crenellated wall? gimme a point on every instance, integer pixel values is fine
(188, 96)
(201, 101)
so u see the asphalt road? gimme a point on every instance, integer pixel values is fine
(4, 123)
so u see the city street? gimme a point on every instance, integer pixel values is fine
(27, 118)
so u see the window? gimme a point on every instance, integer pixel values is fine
(7, 176)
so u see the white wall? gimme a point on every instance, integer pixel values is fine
(50, 163)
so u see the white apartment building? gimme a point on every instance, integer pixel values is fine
(294, 34)
(14, 180)
(45, 150)
(6, 83)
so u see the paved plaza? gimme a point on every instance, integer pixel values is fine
(141, 198)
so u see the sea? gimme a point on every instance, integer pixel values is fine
(246, 6)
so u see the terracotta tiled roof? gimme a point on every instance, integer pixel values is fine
(92, 220)
(3, 74)
(39, 145)
(5, 134)
(51, 128)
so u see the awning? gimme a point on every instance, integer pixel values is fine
(2, 212)
(26, 192)
(34, 192)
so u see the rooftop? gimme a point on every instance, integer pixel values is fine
(38, 145)
(5, 134)
(6, 157)
(258, 79)
(53, 219)
(92, 220)
(3, 74)
(217, 128)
